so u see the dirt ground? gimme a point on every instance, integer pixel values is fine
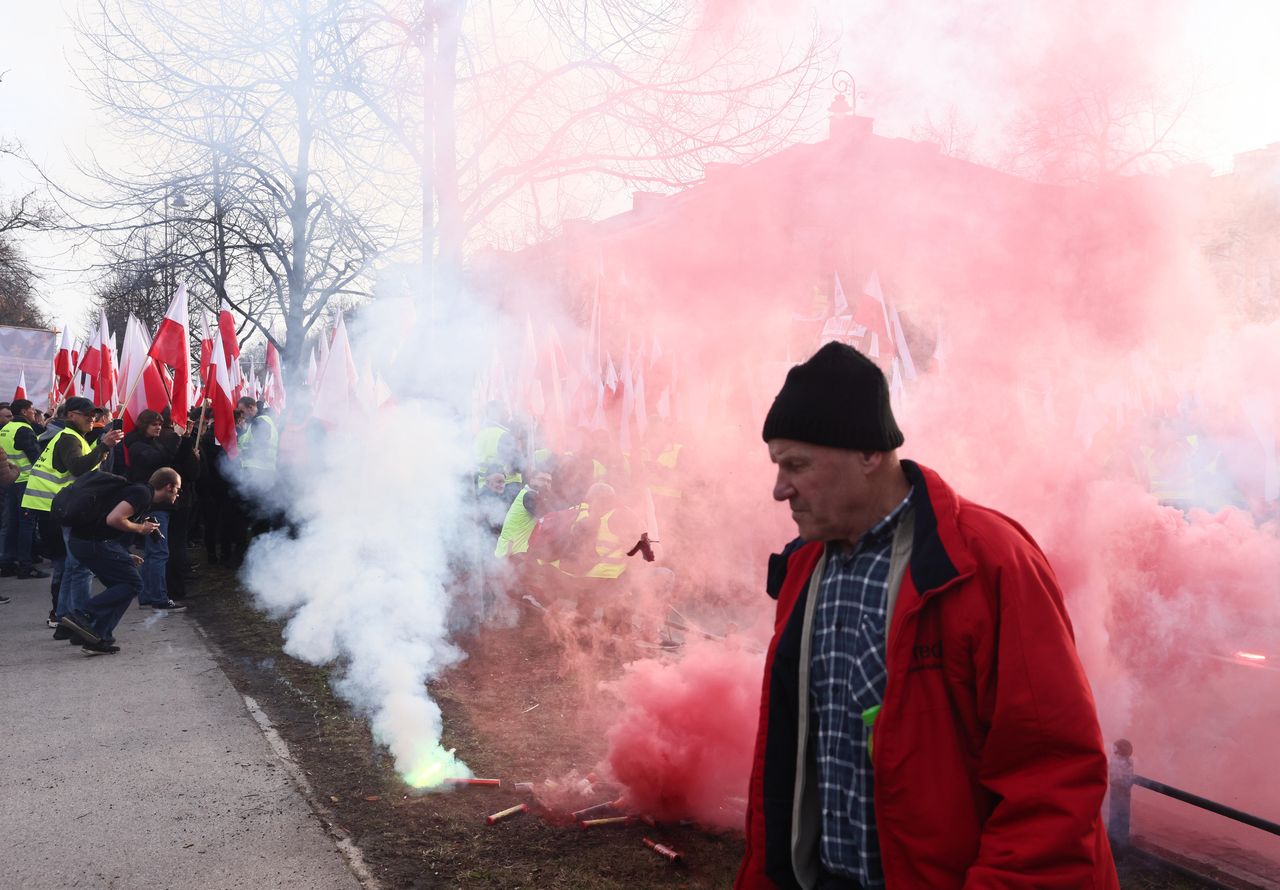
(512, 716)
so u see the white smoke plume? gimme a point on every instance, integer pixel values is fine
(379, 521)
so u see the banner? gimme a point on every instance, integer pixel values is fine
(32, 351)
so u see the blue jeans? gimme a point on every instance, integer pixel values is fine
(111, 563)
(73, 589)
(19, 528)
(156, 556)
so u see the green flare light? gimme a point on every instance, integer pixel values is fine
(432, 767)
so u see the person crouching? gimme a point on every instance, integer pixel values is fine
(100, 546)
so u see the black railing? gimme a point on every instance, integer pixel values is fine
(1123, 778)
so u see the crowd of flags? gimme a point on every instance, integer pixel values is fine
(157, 372)
(597, 389)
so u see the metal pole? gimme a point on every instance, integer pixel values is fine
(1121, 775)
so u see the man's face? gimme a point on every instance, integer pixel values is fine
(168, 494)
(827, 488)
(5, 415)
(29, 414)
(250, 410)
(80, 420)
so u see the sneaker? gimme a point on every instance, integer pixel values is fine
(99, 648)
(168, 606)
(51, 621)
(80, 625)
(4, 600)
(63, 634)
(26, 574)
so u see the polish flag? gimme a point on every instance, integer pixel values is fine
(275, 378)
(335, 395)
(872, 313)
(207, 336)
(77, 384)
(230, 349)
(312, 370)
(172, 347)
(146, 385)
(224, 404)
(21, 391)
(106, 390)
(63, 366)
(91, 362)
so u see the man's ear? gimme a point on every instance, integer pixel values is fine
(869, 461)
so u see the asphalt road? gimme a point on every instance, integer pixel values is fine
(141, 769)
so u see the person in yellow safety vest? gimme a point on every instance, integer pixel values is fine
(496, 447)
(247, 409)
(261, 444)
(532, 501)
(18, 441)
(602, 536)
(67, 457)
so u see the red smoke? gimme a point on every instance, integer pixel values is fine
(1077, 339)
(680, 747)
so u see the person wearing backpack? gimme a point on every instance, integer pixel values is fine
(99, 544)
(66, 457)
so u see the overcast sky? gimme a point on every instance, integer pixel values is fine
(1230, 44)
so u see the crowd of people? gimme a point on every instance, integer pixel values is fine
(155, 490)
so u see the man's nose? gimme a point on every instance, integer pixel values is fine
(782, 489)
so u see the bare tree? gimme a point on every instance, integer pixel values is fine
(519, 117)
(18, 296)
(236, 102)
(1087, 126)
(302, 132)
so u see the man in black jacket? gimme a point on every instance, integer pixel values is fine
(99, 545)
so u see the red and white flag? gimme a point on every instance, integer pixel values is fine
(209, 330)
(230, 348)
(172, 346)
(107, 391)
(145, 383)
(63, 367)
(312, 370)
(275, 379)
(334, 399)
(224, 405)
(21, 391)
(872, 313)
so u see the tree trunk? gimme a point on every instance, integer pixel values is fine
(449, 27)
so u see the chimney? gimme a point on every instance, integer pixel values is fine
(850, 127)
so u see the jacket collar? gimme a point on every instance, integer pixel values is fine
(939, 555)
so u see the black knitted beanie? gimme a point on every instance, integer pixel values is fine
(838, 398)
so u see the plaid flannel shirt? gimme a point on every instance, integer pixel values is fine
(847, 676)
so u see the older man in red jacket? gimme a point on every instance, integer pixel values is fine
(925, 722)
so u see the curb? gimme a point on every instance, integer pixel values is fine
(340, 836)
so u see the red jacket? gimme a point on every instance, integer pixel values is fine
(989, 764)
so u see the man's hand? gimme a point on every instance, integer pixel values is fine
(149, 527)
(112, 438)
(137, 560)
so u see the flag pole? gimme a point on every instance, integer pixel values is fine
(204, 413)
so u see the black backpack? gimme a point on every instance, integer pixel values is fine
(88, 499)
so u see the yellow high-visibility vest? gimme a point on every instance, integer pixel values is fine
(259, 456)
(17, 457)
(487, 454)
(611, 552)
(516, 528)
(45, 481)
